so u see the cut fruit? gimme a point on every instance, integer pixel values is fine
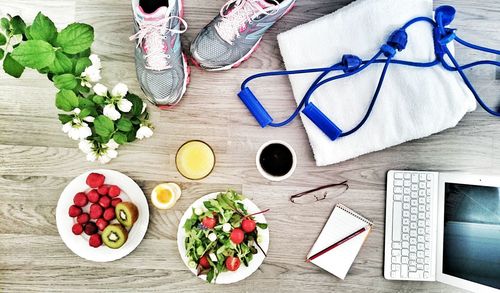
(126, 213)
(164, 196)
(114, 236)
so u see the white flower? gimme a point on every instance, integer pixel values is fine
(111, 112)
(91, 157)
(144, 132)
(77, 131)
(112, 144)
(120, 90)
(124, 105)
(85, 146)
(212, 237)
(76, 111)
(96, 61)
(89, 119)
(144, 105)
(107, 155)
(91, 74)
(226, 227)
(100, 90)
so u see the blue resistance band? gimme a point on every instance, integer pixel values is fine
(351, 64)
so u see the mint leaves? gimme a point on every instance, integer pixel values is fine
(35, 54)
(11, 67)
(43, 29)
(66, 100)
(104, 126)
(76, 38)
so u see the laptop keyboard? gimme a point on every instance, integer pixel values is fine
(410, 245)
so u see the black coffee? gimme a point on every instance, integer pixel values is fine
(276, 159)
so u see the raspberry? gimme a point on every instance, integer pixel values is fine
(114, 191)
(101, 224)
(77, 229)
(95, 240)
(105, 201)
(95, 180)
(74, 211)
(95, 211)
(83, 218)
(93, 196)
(80, 199)
(109, 214)
(103, 190)
(115, 201)
(90, 228)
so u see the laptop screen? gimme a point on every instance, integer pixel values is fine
(471, 241)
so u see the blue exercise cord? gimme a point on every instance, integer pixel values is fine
(351, 65)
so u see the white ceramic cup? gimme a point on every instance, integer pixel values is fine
(269, 176)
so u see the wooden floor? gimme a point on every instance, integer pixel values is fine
(37, 160)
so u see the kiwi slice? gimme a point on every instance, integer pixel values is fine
(126, 213)
(114, 236)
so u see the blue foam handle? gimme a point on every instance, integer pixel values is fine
(319, 119)
(255, 107)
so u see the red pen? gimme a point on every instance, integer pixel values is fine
(338, 243)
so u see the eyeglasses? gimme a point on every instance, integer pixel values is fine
(320, 193)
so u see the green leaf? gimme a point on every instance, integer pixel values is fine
(43, 28)
(3, 39)
(11, 67)
(81, 64)
(27, 33)
(131, 135)
(65, 118)
(61, 64)
(84, 113)
(262, 225)
(17, 24)
(136, 104)
(85, 53)
(5, 24)
(120, 137)
(104, 126)
(124, 124)
(66, 100)
(1, 54)
(75, 38)
(34, 54)
(85, 103)
(210, 275)
(65, 81)
(99, 100)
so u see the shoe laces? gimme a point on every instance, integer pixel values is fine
(235, 13)
(153, 35)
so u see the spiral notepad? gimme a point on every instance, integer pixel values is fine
(342, 222)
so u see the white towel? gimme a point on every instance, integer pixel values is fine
(413, 102)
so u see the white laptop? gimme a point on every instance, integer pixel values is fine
(443, 227)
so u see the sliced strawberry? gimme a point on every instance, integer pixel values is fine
(101, 224)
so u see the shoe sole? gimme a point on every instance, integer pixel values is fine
(244, 58)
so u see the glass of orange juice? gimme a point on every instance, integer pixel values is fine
(195, 160)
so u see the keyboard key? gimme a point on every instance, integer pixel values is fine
(420, 266)
(421, 216)
(404, 260)
(406, 190)
(414, 187)
(407, 183)
(429, 184)
(407, 175)
(422, 177)
(396, 245)
(413, 233)
(406, 198)
(420, 231)
(398, 182)
(420, 239)
(406, 237)
(406, 214)
(406, 229)
(421, 192)
(430, 176)
(421, 208)
(405, 244)
(406, 206)
(405, 252)
(414, 178)
(420, 263)
(426, 275)
(395, 267)
(406, 221)
(422, 185)
(413, 210)
(427, 260)
(404, 271)
(416, 274)
(411, 269)
(427, 268)
(396, 221)
(394, 274)
(397, 197)
(421, 200)
(420, 254)
(398, 189)
(396, 252)
(427, 253)
(397, 259)
(398, 175)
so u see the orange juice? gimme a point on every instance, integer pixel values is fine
(195, 160)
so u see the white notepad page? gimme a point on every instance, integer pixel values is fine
(342, 222)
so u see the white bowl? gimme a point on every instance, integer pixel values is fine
(269, 176)
(79, 243)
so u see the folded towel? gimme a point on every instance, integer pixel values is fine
(413, 102)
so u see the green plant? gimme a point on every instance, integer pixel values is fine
(100, 119)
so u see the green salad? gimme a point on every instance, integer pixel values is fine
(221, 235)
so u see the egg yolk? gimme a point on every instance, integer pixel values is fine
(164, 195)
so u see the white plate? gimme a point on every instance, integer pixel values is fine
(243, 271)
(79, 243)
